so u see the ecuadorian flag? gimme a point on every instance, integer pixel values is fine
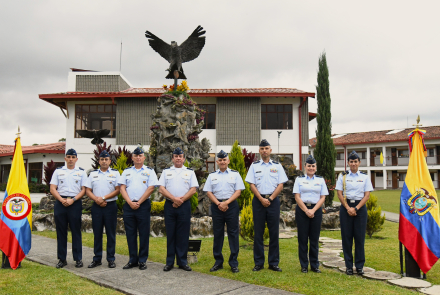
(419, 225)
(16, 212)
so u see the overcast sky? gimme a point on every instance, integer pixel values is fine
(383, 56)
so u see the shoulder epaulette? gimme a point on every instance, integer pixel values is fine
(167, 168)
(345, 172)
(189, 169)
(81, 168)
(318, 176)
(364, 173)
(234, 170)
(59, 167)
(213, 172)
(96, 170)
(128, 168)
(301, 176)
(149, 168)
(114, 169)
(275, 162)
(256, 162)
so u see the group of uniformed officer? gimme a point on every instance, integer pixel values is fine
(178, 183)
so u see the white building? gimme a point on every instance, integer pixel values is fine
(393, 144)
(105, 100)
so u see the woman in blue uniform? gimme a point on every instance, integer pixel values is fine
(353, 189)
(310, 191)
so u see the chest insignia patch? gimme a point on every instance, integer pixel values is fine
(360, 181)
(317, 184)
(273, 170)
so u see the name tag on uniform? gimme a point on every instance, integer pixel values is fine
(258, 172)
(352, 201)
(128, 175)
(214, 179)
(169, 174)
(348, 180)
(305, 182)
(61, 175)
(95, 176)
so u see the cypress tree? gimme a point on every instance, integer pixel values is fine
(325, 152)
(236, 158)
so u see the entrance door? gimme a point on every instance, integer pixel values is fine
(394, 156)
(438, 154)
(395, 180)
(373, 178)
(372, 159)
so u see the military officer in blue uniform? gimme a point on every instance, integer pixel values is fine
(177, 185)
(68, 187)
(353, 189)
(103, 188)
(137, 184)
(223, 188)
(266, 178)
(310, 191)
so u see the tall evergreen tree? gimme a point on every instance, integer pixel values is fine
(325, 152)
(236, 158)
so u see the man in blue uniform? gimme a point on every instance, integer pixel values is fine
(266, 179)
(68, 187)
(177, 185)
(223, 188)
(353, 189)
(137, 184)
(103, 188)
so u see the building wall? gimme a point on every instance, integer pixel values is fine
(97, 81)
(133, 120)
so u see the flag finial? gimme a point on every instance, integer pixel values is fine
(18, 133)
(418, 121)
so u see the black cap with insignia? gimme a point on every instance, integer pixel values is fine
(310, 160)
(222, 154)
(138, 151)
(353, 156)
(104, 154)
(71, 152)
(177, 151)
(264, 143)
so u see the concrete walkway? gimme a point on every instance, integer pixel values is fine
(393, 217)
(151, 281)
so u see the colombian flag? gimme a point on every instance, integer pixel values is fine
(419, 225)
(16, 212)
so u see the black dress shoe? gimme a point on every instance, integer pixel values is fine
(258, 267)
(185, 267)
(111, 264)
(79, 264)
(349, 271)
(315, 270)
(142, 265)
(216, 267)
(94, 264)
(61, 263)
(168, 267)
(304, 270)
(130, 265)
(274, 268)
(234, 269)
(360, 271)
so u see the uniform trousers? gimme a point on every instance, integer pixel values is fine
(177, 224)
(219, 219)
(68, 217)
(271, 215)
(309, 229)
(104, 217)
(353, 227)
(134, 221)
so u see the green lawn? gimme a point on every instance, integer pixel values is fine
(389, 200)
(291, 279)
(34, 278)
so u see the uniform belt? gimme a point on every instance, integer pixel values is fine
(222, 200)
(309, 204)
(351, 201)
(67, 197)
(266, 196)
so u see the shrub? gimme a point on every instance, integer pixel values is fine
(247, 224)
(97, 151)
(194, 202)
(157, 207)
(375, 221)
(121, 165)
(48, 171)
(249, 158)
(237, 163)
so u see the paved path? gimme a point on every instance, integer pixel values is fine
(393, 217)
(151, 281)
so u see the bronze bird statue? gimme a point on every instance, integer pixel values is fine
(97, 135)
(175, 54)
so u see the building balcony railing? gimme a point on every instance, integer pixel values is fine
(402, 161)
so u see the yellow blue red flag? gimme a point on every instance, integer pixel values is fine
(419, 224)
(16, 212)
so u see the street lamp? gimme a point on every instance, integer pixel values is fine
(279, 133)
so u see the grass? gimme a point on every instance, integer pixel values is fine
(34, 278)
(389, 200)
(291, 279)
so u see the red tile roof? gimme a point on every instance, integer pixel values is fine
(49, 148)
(432, 132)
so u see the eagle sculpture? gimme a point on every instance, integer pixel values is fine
(97, 135)
(175, 54)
